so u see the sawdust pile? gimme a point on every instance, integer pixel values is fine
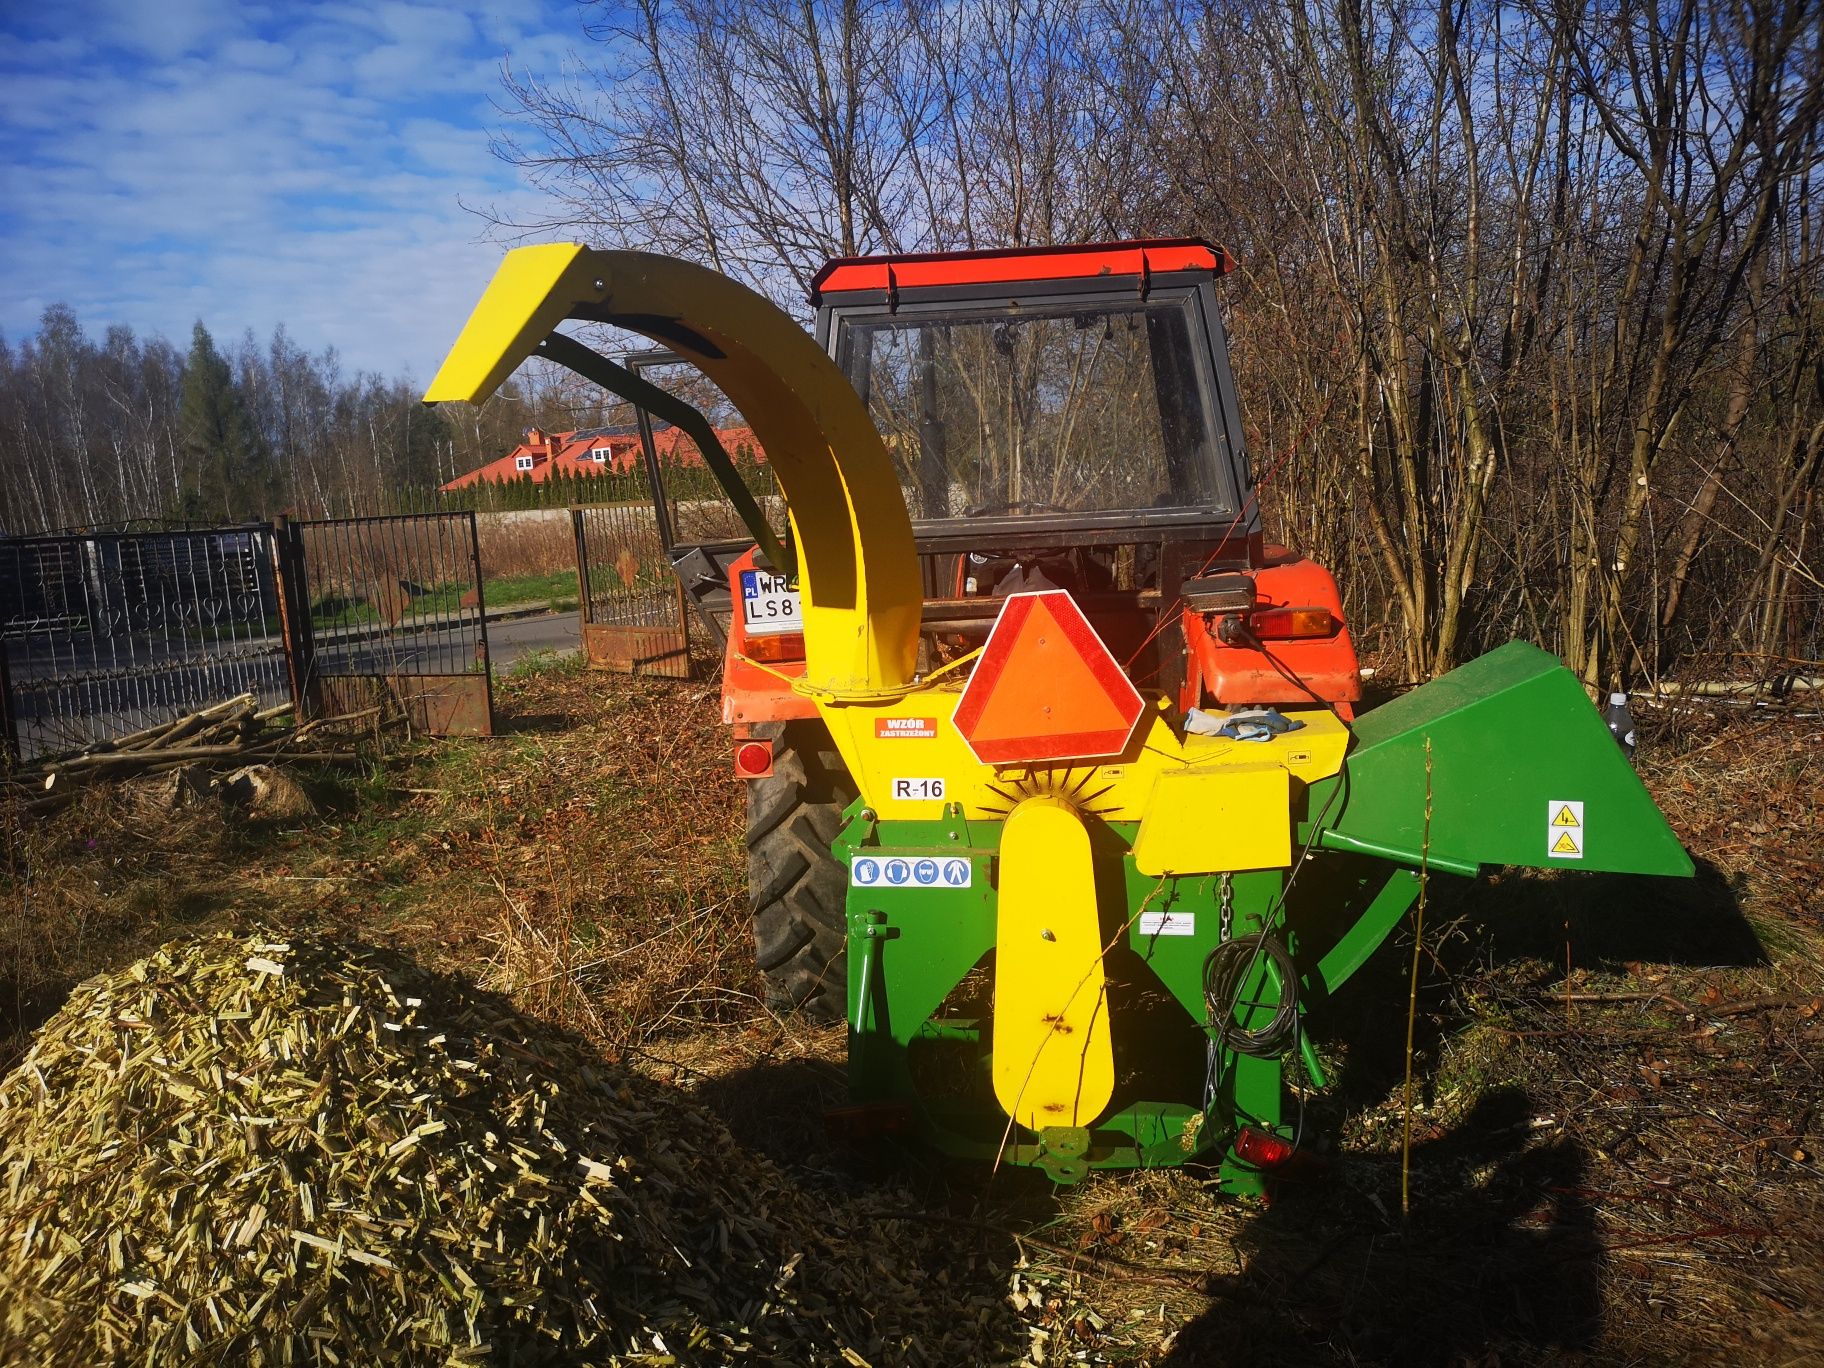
(312, 1153)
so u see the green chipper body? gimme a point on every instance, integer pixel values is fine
(1515, 768)
(1507, 756)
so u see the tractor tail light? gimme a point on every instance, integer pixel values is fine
(1287, 624)
(785, 646)
(1263, 1149)
(753, 760)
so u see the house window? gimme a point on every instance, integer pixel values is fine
(523, 462)
(600, 455)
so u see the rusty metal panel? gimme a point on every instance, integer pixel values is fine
(631, 603)
(458, 705)
(448, 705)
(637, 650)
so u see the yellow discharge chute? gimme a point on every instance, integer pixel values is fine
(858, 572)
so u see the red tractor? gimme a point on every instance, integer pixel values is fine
(1062, 418)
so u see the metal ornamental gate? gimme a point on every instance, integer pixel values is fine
(392, 610)
(631, 603)
(106, 633)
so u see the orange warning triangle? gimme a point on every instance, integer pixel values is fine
(1564, 845)
(1046, 687)
(1566, 817)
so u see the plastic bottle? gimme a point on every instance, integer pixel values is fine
(1621, 722)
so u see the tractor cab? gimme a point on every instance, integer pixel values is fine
(1057, 418)
(1045, 409)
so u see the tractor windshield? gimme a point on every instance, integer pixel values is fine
(1091, 407)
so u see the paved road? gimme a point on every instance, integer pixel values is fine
(519, 637)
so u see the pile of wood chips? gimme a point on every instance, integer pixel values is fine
(316, 1153)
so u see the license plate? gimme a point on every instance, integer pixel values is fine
(769, 604)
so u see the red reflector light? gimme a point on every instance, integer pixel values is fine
(753, 760)
(1284, 624)
(785, 646)
(1262, 1149)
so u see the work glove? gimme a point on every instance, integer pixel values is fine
(1241, 724)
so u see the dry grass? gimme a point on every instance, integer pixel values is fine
(1629, 1177)
(95, 886)
(533, 542)
(546, 860)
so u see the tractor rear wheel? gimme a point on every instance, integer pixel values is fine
(796, 887)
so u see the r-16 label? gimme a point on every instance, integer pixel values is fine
(918, 790)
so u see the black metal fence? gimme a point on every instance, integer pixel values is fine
(105, 633)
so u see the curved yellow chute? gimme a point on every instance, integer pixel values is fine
(858, 570)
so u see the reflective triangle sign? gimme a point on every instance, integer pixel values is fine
(1046, 687)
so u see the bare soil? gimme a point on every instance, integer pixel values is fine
(1617, 1123)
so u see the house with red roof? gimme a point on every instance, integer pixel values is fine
(600, 451)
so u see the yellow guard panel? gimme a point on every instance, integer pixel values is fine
(1119, 789)
(1054, 1063)
(1209, 821)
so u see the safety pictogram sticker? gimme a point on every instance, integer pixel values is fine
(1564, 830)
(898, 871)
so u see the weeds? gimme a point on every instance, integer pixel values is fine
(547, 662)
(1638, 1185)
(530, 542)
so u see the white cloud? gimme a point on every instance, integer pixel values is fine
(253, 166)
(162, 31)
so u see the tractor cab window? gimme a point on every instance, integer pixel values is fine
(1083, 407)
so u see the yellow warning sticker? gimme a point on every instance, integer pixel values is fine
(1564, 829)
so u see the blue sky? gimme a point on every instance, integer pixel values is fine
(251, 164)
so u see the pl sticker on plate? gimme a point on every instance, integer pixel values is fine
(910, 871)
(769, 604)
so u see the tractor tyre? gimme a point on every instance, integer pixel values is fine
(795, 885)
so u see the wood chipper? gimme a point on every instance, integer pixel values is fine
(1057, 790)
